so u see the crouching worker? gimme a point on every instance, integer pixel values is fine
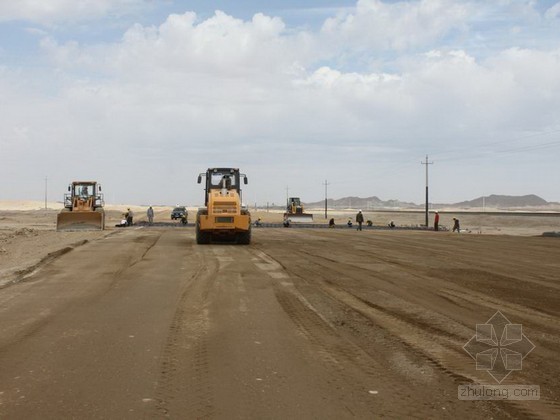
(122, 223)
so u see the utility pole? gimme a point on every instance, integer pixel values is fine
(326, 184)
(46, 192)
(427, 164)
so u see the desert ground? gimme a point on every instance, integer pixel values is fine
(142, 322)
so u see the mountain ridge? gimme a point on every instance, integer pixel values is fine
(490, 201)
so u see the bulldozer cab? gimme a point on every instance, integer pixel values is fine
(294, 202)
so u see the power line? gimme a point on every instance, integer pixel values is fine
(516, 149)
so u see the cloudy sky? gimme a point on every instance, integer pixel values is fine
(142, 95)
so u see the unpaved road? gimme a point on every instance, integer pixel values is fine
(301, 324)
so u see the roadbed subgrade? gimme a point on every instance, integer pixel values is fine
(325, 226)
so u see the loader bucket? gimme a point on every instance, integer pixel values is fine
(80, 220)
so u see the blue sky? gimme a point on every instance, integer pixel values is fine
(293, 92)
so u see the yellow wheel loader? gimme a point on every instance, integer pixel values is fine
(224, 218)
(295, 212)
(83, 208)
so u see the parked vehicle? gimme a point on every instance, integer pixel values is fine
(179, 213)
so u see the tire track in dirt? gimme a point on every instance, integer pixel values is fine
(442, 352)
(350, 364)
(50, 267)
(475, 301)
(184, 387)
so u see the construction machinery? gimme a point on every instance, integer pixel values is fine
(295, 212)
(223, 218)
(83, 207)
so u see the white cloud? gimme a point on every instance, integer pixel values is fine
(172, 98)
(53, 11)
(553, 12)
(396, 26)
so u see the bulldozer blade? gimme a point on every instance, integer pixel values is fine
(300, 218)
(80, 220)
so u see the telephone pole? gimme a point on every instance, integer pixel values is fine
(427, 164)
(326, 184)
(46, 192)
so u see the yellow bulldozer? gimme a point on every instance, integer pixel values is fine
(295, 212)
(83, 208)
(223, 218)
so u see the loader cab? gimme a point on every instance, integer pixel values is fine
(222, 178)
(84, 190)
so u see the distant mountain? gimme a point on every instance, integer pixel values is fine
(491, 201)
(504, 201)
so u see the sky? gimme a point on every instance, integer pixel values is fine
(143, 95)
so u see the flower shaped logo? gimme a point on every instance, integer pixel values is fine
(499, 356)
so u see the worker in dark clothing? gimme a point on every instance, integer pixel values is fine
(359, 220)
(129, 217)
(436, 221)
(331, 223)
(456, 226)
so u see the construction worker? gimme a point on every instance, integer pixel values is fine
(359, 220)
(150, 214)
(129, 216)
(436, 221)
(456, 226)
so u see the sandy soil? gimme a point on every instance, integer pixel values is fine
(27, 230)
(487, 223)
(303, 323)
(28, 234)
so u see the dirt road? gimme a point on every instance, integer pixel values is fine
(300, 324)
